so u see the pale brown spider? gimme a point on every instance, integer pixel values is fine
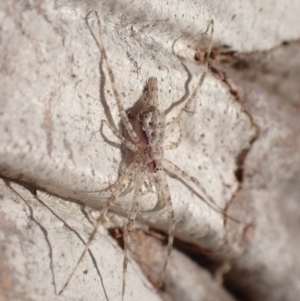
(142, 135)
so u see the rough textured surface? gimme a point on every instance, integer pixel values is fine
(242, 142)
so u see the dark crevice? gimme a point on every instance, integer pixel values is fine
(211, 264)
(239, 172)
(206, 260)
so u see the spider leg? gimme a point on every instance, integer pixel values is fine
(148, 184)
(122, 184)
(160, 198)
(109, 189)
(174, 122)
(128, 188)
(99, 43)
(111, 143)
(173, 145)
(179, 173)
(165, 192)
(124, 141)
(131, 219)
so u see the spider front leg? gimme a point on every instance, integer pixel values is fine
(171, 127)
(99, 43)
(123, 140)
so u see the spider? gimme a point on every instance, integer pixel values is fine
(143, 129)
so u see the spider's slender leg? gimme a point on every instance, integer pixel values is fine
(173, 145)
(129, 187)
(122, 184)
(111, 143)
(109, 189)
(160, 198)
(124, 141)
(99, 43)
(165, 192)
(179, 173)
(149, 184)
(131, 219)
(174, 122)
